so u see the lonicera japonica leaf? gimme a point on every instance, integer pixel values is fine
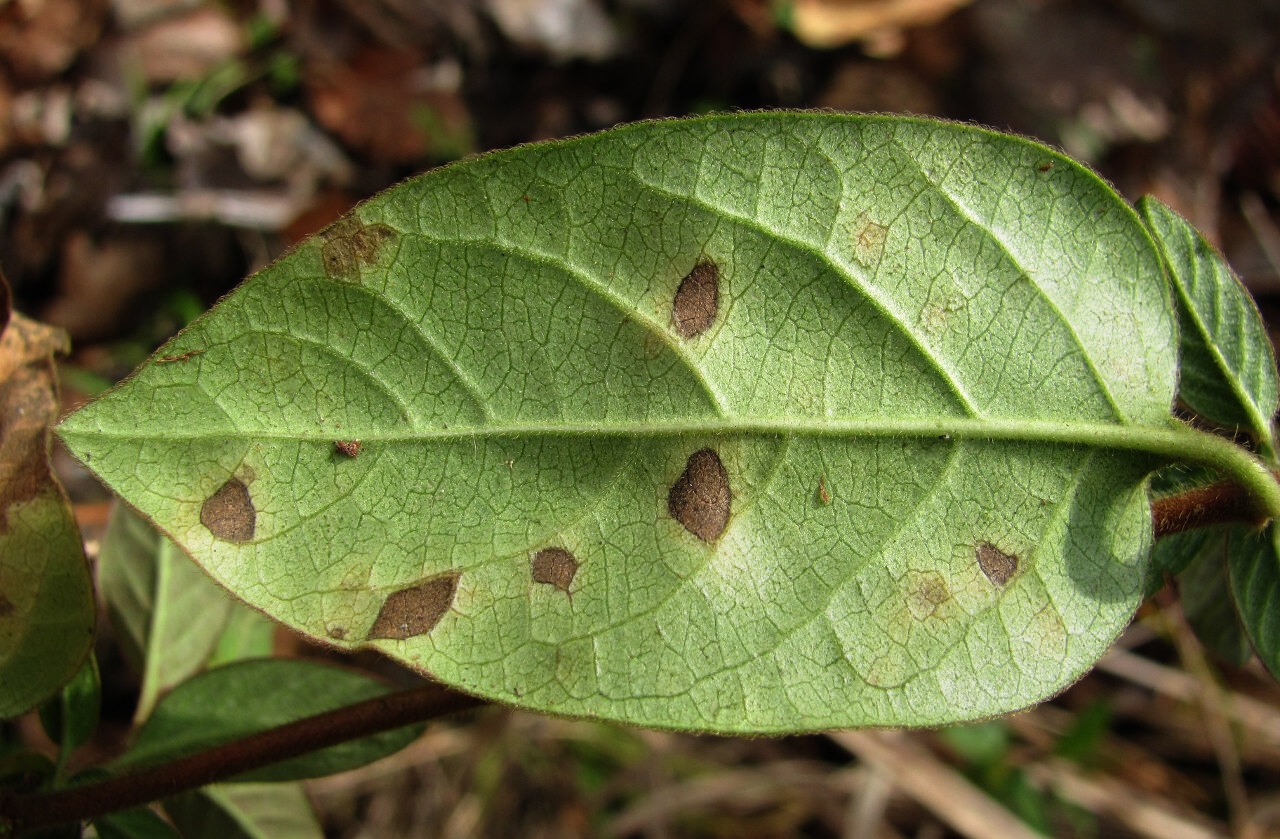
(1254, 571)
(245, 811)
(1228, 364)
(764, 422)
(167, 614)
(1206, 592)
(46, 594)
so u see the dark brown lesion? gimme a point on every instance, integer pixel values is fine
(415, 610)
(700, 498)
(995, 563)
(350, 246)
(697, 300)
(229, 513)
(555, 567)
(348, 448)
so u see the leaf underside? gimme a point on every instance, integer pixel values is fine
(685, 424)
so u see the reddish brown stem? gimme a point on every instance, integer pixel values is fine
(19, 813)
(1201, 507)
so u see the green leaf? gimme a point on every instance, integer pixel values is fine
(247, 635)
(168, 614)
(758, 423)
(71, 718)
(1254, 571)
(1228, 363)
(1206, 593)
(139, 823)
(46, 594)
(239, 699)
(245, 811)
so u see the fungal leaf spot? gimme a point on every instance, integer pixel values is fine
(926, 592)
(555, 567)
(700, 497)
(337, 633)
(350, 448)
(349, 246)
(697, 300)
(995, 563)
(869, 237)
(229, 513)
(415, 610)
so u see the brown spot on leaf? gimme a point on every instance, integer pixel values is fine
(350, 448)
(416, 610)
(869, 237)
(229, 513)
(186, 356)
(697, 300)
(337, 633)
(823, 495)
(926, 592)
(700, 497)
(1045, 166)
(995, 563)
(350, 246)
(553, 566)
(6, 606)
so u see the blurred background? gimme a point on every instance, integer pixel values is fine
(154, 152)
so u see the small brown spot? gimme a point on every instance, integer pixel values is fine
(823, 495)
(697, 300)
(868, 238)
(337, 633)
(349, 246)
(553, 566)
(350, 448)
(1045, 167)
(229, 513)
(416, 610)
(186, 356)
(700, 498)
(6, 606)
(926, 592)
(995, 563)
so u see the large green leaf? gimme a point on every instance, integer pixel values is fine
(765, 422)
(1228, 369)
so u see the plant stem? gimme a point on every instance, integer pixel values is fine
(20, 813)
(1218, 503)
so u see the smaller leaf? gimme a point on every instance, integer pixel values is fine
(167, 612)
(46, 595)
(139, 823)
(1228, 370)
(70, 718)
(1254, 570)
(1206, 595)
(245, 811)
(243, 698)
(248, 634)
